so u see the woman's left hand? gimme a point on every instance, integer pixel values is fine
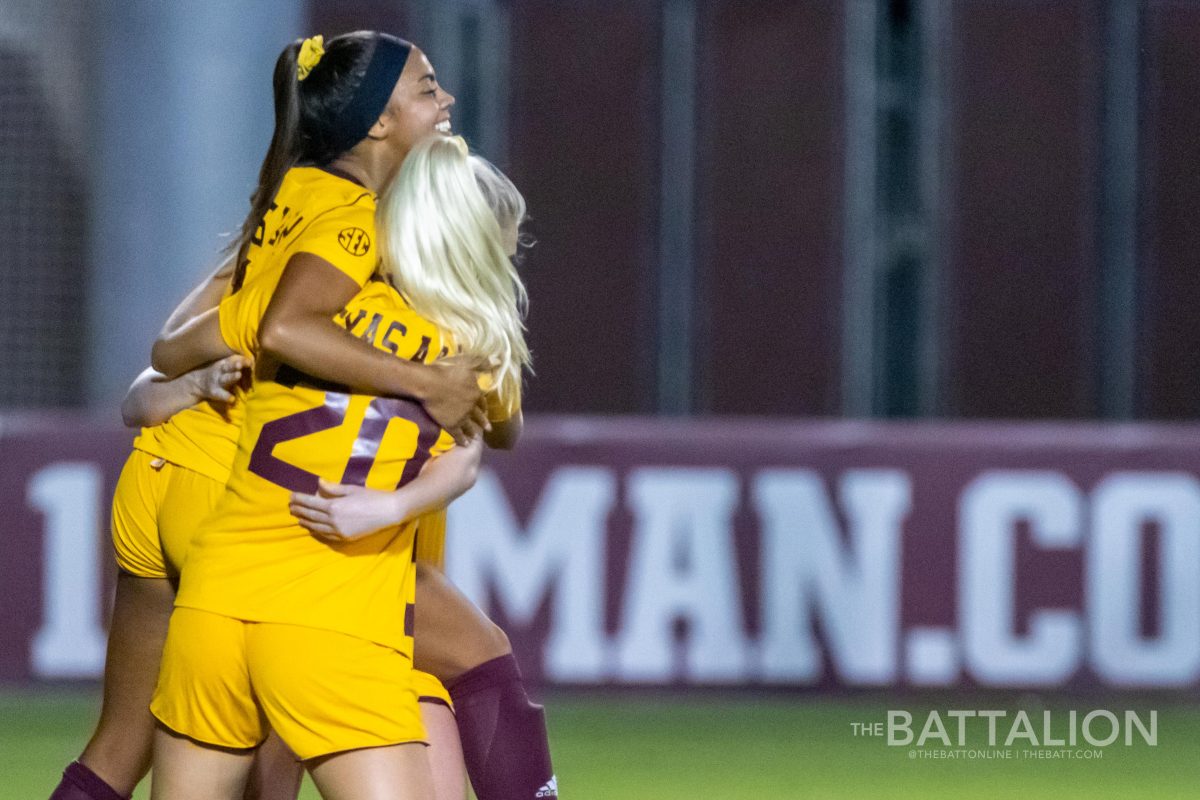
(337, 513)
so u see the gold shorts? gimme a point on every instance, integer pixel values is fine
(157, 507)
(430, 690)
(224, 682)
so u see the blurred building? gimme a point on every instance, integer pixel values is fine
(901, 208)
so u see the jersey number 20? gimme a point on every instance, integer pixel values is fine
(363, 452)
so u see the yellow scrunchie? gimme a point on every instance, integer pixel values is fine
(310, 55)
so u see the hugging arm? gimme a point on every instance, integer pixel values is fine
(298, 329)
(196, 342)
(191, 336)
(153, 398)
(338, 513)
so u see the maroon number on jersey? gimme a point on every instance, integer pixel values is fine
(363, 452)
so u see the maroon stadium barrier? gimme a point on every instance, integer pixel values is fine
(799, 554)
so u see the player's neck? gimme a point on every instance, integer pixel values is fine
(368, 166)
(353, 169)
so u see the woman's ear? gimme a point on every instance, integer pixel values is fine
(381, 127)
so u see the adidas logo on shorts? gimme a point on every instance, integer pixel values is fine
(550, 789)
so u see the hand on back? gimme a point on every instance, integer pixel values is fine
(338, 513)
(455, 400)
(216, 381)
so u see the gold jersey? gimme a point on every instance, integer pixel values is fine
(315, 211)
(251, 559)
(202, 438)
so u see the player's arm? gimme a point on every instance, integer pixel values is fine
(340, 513)
(298, 329)
(153, 398)
(193, 343)
(203, 297)
(190, 338)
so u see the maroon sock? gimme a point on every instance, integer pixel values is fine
(80, 783)
(503, 735)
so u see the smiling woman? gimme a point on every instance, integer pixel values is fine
(296, 268)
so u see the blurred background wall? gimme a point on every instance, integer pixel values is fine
(43, 205)
(902, 208)
(129, 139)
(838, 215)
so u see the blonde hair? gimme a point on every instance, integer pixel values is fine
(442, 227)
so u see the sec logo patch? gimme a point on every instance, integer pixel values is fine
(355, 241)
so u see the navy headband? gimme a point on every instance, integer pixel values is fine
(388, 58)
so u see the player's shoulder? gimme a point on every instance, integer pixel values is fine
(322, 190)
(336, 220)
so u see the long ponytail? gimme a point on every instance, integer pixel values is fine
(281, 156)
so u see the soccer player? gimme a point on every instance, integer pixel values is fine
(275, 625)
(182, 465)
(505, 752)
(292, 322)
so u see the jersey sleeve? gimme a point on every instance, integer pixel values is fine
(345, 237)
(499, 410)
(234, 315)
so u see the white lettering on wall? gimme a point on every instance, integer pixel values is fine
(683, 566)
(70, 642)
(853, 589)
(1122, 504)
(989, 510)
(563, 546)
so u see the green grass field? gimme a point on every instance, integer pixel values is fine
(723, 746)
